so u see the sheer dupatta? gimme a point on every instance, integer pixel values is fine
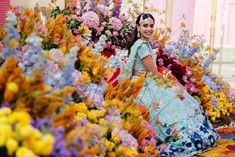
(126, 72)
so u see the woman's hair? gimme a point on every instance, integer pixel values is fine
(142, 16)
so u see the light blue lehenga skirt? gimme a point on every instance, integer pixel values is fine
(181, 125)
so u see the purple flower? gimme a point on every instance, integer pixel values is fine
(127, 140)
(39, 123)
(56, 55)
(103, 9)
(5, 104)
(214, 101)
(116, 23)
(117, 7)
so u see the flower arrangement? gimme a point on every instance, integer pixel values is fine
(86, 123)
(72, 111)
(97, 24)
(189, 61)
(20, 138)
(28, 94)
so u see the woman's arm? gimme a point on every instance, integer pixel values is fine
(149, 64)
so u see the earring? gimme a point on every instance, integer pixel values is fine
(138, 34)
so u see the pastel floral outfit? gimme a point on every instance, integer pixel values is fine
(180, 123)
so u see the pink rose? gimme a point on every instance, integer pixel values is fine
(76, 31)
(115, 33)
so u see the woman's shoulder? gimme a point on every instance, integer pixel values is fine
(140, 42)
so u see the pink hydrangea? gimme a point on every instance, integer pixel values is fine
(90, 19)
(103, 9)
(116, 23)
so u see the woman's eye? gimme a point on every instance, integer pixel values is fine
(151, 26)
(145, 25)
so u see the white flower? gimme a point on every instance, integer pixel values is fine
(11, 18)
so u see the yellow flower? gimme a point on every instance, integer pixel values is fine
(109, 145)
(126, 124)
(4, 120)
(5, 133)
(86, 77)
(84, 30)
(5, 111)
(96, 69)
(115, 138)
(14, 43)
(79, 116)
(63, 49)
(103, 122)
(48, 142)
(26, 131)
(94, 115)
(25, 152)
(81, 107)
(12, 146)
(127, 152)
(38, 146)
(12, 87)
(36, 134)
(22, 117)
(47, 87)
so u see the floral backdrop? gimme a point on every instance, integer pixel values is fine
(55, 95)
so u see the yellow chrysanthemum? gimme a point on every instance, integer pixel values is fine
(109, 145)
(5, 133)
(22, 117)
(84, 30)
(80, 116)
(23, 152)
(12, 146)
(5, 111)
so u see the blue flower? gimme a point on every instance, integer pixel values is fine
(12, 34)
(197, 141)
(33, 57)
(202, 128)
(168, 131)
(212, 140)
(189, 145)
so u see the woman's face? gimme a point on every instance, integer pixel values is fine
(146, 28)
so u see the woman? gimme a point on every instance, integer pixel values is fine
(180, 123)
